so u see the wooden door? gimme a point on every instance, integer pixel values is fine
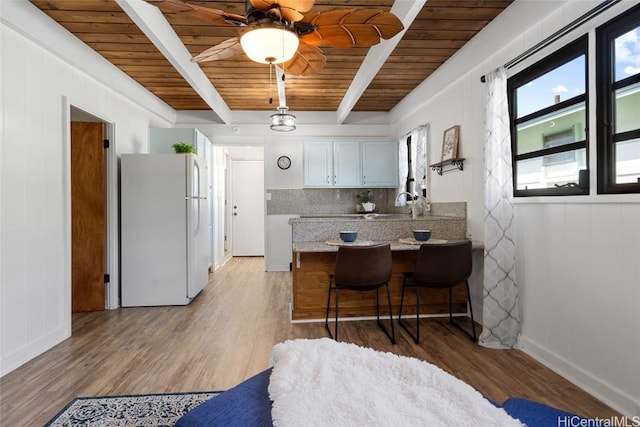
(247, 207)
(87, 217)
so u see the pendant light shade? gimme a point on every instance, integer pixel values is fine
(282, 121)
(269, 44)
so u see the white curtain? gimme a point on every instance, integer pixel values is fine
(422, 161)
(403, 171)
(501, 322)
(419, 162)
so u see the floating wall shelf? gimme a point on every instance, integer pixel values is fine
(457, 163)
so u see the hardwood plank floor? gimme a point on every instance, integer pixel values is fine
(226, 335)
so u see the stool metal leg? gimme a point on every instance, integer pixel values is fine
(326, 317)
(451, 304)
(416, 338)
(473, 322)
(393, 331)
(336, 328)
(473, 336)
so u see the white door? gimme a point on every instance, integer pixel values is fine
(247, 207)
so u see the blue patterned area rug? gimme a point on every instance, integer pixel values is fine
(136, 410)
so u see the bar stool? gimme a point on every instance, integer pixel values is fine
(361, 268)
(439, 266)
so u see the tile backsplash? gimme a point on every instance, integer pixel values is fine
(343, 201)
(323, 200)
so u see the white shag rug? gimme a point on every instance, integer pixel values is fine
(327, 383)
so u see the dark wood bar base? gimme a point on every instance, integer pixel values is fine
(311, 281)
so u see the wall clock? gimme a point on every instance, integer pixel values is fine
(284, 162)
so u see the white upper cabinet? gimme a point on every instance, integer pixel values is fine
(350, 164)
(379, 164)
(346, 164)
(318, 164)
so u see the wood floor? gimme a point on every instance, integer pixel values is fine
(226, 335)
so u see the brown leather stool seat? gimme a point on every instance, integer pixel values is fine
(361, 268)
(439, 266)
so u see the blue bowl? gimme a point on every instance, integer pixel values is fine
(348, 236)
(421, 235)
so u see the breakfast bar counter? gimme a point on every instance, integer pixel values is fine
(396, 245)
(315, 245)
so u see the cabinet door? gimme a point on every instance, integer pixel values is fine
(318, 164)
(380, 164)
(346, 164)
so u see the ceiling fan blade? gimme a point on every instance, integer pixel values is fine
(180, 7)
(226, 49)
(344, 28)
(307, 61)
(291, 9)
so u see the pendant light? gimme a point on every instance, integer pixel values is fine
(282, 121)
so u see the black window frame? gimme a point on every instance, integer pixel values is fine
(571, 51)
(605, 104)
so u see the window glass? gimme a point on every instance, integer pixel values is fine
(537, 134)
(628, 161)
(551, 171)
(627, 108)
(562, 83)
(627, 54)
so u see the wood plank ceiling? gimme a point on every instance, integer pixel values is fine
(440, 29)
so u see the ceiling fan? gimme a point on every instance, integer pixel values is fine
(279, 31)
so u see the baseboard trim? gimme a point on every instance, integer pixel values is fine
(278, 267)
(18, 358)
(382, 317)
(610, 395)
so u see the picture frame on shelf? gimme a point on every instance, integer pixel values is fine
(450, 143)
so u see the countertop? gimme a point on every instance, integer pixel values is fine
(383, 227)
(310, 218)
(396, 245)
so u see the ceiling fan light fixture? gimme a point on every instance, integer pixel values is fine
(282, 121)
(269, 44)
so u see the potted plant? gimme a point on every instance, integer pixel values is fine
(183, 147)
(366, 200)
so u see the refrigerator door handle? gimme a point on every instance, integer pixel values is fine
(197, 229)
(196, 194)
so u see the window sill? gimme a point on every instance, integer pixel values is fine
(587, 199)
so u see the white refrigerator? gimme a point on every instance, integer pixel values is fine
(164, 232)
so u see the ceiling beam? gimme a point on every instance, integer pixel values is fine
(406, 11)
(155, 26)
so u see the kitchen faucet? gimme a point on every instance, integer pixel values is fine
(414, 210)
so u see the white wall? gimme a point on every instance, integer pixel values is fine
(37, 90)
(578, 258)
